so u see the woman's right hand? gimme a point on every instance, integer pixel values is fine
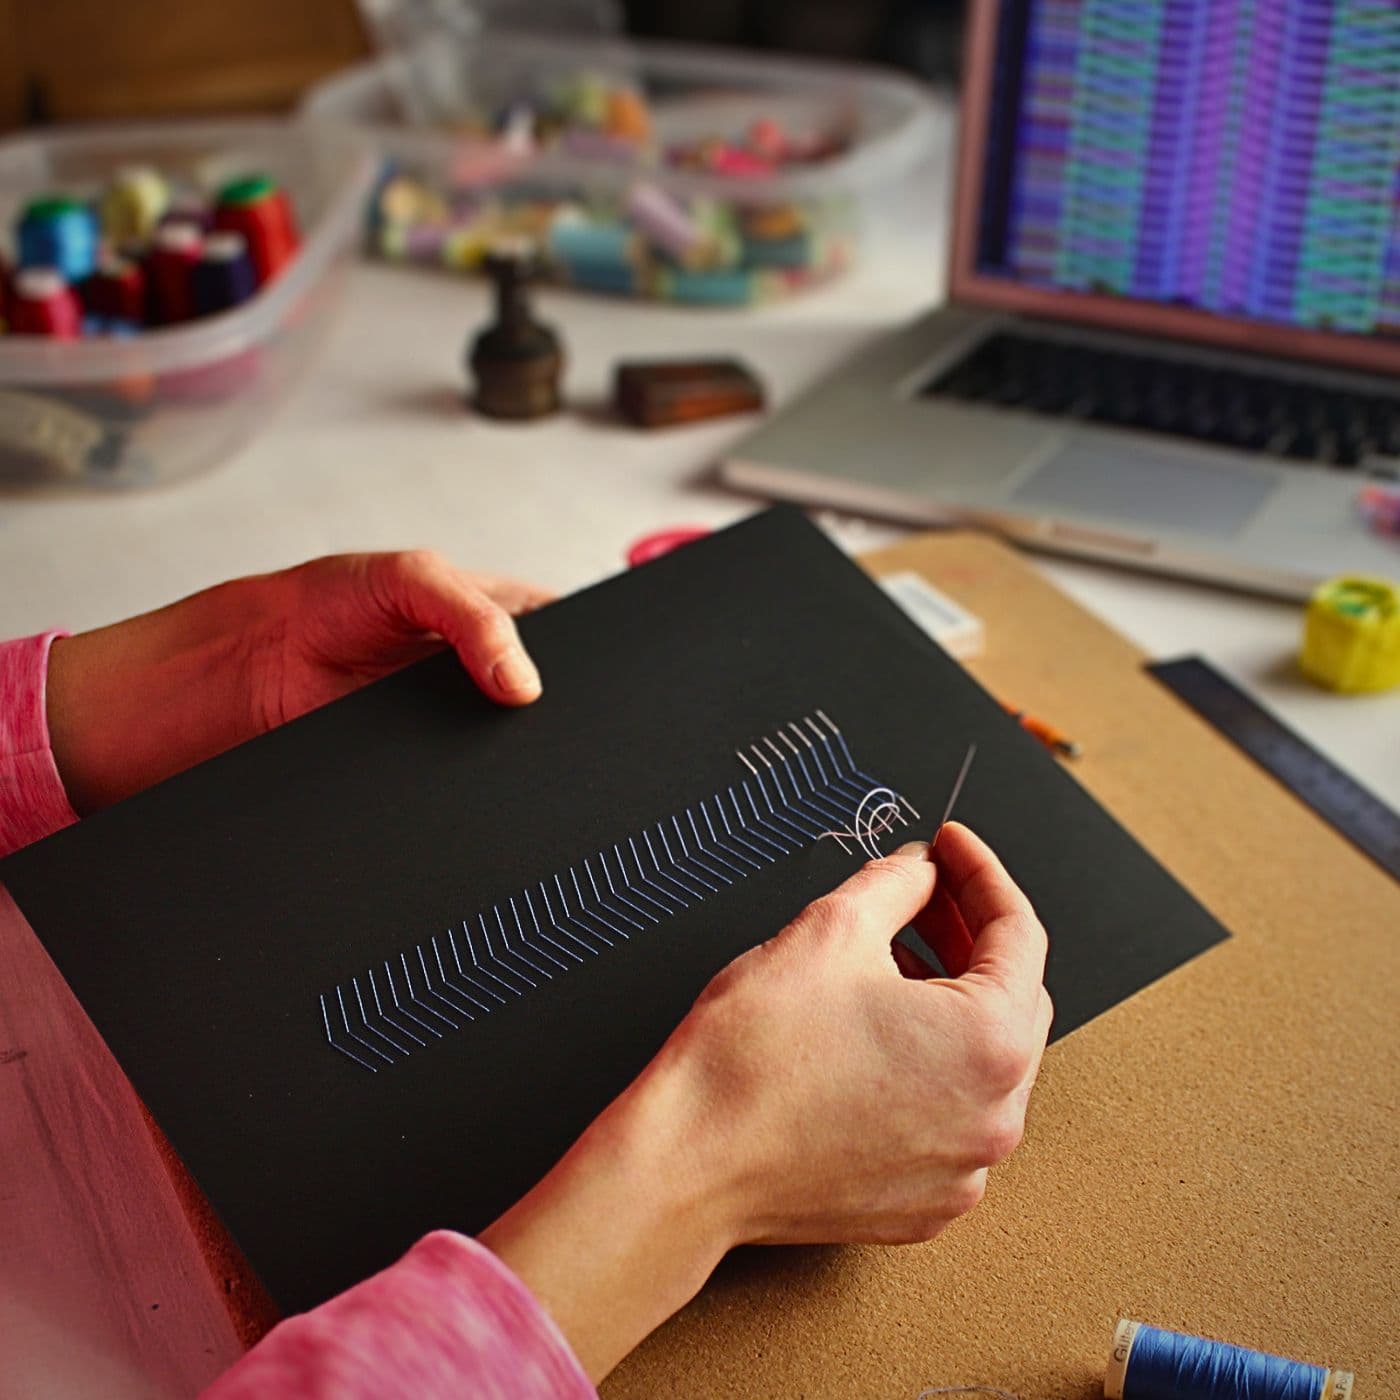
(813, 1094)
(854, 1103)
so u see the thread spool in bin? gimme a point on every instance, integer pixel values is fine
(1209, 1370)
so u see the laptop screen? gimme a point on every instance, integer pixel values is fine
(1240, 157)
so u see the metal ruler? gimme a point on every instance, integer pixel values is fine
(1335, 796)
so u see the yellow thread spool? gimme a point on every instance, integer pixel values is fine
(1351, 638)
(133, 204)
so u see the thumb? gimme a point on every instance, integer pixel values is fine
(883, 896)
(422, 590)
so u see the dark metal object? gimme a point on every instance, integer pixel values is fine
(516, 362)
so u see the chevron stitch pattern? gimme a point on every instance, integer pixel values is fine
(800, 784)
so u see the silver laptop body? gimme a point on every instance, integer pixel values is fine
(1286, 416)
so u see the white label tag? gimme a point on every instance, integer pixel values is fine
(955, 629)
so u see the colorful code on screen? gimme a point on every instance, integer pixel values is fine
(1237, 156)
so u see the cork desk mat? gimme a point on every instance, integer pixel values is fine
(1219, 1154)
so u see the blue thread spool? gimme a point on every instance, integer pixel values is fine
(62, 233)
(1150, 1363)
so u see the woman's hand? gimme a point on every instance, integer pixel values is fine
(133, 703)
(813, 1094)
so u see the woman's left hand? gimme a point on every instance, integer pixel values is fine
(138, 701)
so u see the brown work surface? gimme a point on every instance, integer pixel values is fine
(1218, 1154)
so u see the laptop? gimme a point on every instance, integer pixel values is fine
(1173, 331)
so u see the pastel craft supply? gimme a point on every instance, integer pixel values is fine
(61, 233)
(424, 242)
(796, 250)
(585, 143)
(400, 199)
(517, 133)
(133, 204)
(626, 115)
(579, 242)
(608, 278)
(391, 242)
(767, 138)
(772, 221)
(665, 221)
(588, 101)
(734, 287)
(465, 249)
(738, 163)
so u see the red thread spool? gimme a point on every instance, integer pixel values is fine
(170, 268)
(44, 304)
(262, 213)
(117, 290)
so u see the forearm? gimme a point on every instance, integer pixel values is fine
(627, 1228)
(131, 704)
(446, 1320)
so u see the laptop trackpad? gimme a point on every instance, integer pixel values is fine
(1165, 489)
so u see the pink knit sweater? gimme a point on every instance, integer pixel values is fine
(449, 1319)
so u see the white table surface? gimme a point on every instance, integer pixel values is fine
(374, 450)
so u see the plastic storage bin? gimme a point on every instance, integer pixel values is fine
(636, 168)
(166, 403)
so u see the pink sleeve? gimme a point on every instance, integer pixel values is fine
(449, 1319)
(32, 800)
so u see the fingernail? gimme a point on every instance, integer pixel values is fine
(920, 850)
(515, 675)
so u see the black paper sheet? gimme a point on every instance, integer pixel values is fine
(212, 926)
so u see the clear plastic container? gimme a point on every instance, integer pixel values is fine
(478, 141)
(166, 403)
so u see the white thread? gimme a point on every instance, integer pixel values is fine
(413, 996)
(476, 962)
(876, 813)
(379, 1006)
(647, 880)
(364, 1016)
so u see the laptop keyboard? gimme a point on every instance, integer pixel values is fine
(1289, 418)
